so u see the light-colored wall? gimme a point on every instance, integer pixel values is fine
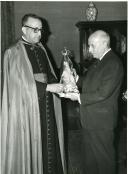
(62, 17)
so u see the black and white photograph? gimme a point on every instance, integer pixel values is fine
(63, 87)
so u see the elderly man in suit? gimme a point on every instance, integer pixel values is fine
(99, 105)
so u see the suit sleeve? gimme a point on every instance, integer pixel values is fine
(111, 81)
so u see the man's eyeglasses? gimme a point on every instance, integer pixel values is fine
(36, 30)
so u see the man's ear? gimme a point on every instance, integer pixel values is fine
(105, 44)
(24, 30)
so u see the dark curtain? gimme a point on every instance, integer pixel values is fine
(7, 29)
(7, 25)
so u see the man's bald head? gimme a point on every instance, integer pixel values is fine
(99, 43)
(102, 36)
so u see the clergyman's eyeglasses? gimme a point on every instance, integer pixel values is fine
(36, 30)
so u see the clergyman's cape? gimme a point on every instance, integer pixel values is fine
(21, 150)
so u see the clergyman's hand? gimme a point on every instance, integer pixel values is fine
(55, 88)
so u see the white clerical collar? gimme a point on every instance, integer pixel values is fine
(27, 42)
(105, 53)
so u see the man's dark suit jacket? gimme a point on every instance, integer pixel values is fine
(100, 91)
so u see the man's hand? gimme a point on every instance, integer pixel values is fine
(55, 88)
(71, 96)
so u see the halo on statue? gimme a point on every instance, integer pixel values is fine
(65, 52)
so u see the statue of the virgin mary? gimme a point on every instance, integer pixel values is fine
(68, 75)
